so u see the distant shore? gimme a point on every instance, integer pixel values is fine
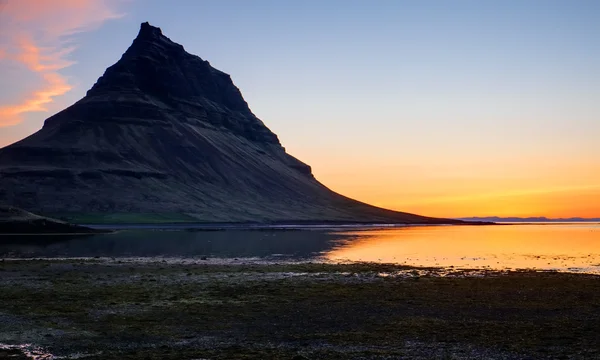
(532, 219)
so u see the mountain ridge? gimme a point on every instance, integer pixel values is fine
(162, 131)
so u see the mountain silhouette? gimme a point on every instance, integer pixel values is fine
(163, 132)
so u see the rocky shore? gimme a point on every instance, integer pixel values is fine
(155, 309)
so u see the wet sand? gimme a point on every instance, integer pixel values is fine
(104, 309)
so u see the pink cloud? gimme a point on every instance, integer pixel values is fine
(40, 35)
(59, 18)
(41, 59)
(55, 85)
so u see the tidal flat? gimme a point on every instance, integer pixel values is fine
(155, 309)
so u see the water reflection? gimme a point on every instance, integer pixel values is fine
(574, 247)
(145, 243)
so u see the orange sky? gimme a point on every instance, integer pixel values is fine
(524, 187)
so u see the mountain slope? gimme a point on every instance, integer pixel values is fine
(164, 132)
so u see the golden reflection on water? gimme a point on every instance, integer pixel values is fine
(565, 247)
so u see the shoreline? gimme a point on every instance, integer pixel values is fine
(267, 226)
(200, 227)
(393, 269)
(98, 229)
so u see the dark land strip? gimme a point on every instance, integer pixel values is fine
(113, 310)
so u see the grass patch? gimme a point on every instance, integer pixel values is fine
(124, 218)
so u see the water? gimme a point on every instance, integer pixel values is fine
(563, 247)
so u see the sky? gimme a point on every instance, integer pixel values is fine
(443, 108)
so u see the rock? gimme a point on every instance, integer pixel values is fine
(163, 132)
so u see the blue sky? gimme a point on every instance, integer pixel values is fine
(386, 99)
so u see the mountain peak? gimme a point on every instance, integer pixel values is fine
(160, 71)
(149, 31)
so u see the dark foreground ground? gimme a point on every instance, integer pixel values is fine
(135, 310)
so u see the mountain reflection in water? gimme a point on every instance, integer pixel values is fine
(181, 244)
(564, 247)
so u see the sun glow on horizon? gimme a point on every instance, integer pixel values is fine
(571, 192)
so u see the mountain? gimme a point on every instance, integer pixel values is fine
(164, 134)
(530, 219)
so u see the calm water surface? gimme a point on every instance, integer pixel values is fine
(564, 247)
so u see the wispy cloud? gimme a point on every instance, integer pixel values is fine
(41, 59)
(40, 35)
(54, 85)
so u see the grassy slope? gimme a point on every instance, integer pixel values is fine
(178, 218)
(124, 218)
